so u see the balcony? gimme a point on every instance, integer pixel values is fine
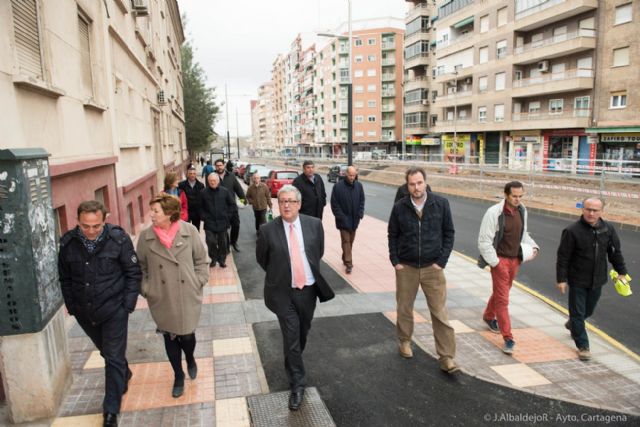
(388, 61)
(417, 83)
(388, 123)
(566, 119)
(454, 99)
(418, 10)
(416, 60)
(388, 45)
(388, 137)
(388, 107)
(417, 128)
(555, 47)
(458, 73)
(548, 12)
(422, 34)
(388, 77)
(388, 93)
(417, 107)
(566, 81)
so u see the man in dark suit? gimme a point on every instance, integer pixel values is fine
(289, 249)
(311, 188)
(192, 188)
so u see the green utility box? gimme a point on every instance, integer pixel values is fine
(29, 290)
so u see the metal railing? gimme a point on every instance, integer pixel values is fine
(583, 32)
(582, 112)
(549, 77)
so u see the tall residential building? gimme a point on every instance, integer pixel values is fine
(377, 75)
(419, 57)
(515, 81)
(98, 85)
(307, 98)
(278, 78)
(616, 104)
(262, 117)
(292, 95)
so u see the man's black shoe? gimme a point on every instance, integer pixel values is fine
(235, 247)
(212, 264)
(110, 420)
(295, 400)
(349, 269)
(127, 379)
(223, 265)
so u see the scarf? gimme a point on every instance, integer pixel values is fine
(166, 237)
(91, 245)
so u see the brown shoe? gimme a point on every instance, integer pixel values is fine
(584, 354)
(448, 365)
(405, 349)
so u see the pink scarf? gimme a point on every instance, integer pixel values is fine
(166, 236)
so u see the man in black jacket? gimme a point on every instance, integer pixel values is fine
(217, 207)
(192, 188)
(311, 187)
(421, 234)
(347, 205)
(100, 280)
(229, 181)
(582, 264)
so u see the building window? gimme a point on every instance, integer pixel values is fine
(482, 114)
(624, 13)
(534, 108)
(498, 112)
(371, 42)
(500, 81)
(357, 73)
(371, 103)
(359, 133)
(371, 133)
(502, 16)
(371, 58)
(619, 99)
(371, 72)
(537, 39)
(555, 106)
(371, 88)
(358, 59)
(358, 104)
(483, 84)
(359, 119)
(484, 54)
(501, 49)
(581, 106)
(484, 23)
(371, 119)
(621, 56)
(358, 42)
(358, 89)
(27, 37)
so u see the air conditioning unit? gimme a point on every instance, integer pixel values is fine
(161, 98)
(425, 102)
(140, 7)
(543, 66)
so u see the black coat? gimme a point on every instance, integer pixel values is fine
(272, 253)
(193, 195)
(583, 252)
(217, 207)
(314, 197)
(347, 204)
(231, 183)
(421, 243)
(95, 285)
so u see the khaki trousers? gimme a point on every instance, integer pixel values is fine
(434, 286)
(347, 237)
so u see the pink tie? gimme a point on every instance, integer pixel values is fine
(299, 278)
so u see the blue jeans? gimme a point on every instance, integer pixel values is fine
(582, 303)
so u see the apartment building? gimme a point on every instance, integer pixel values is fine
(292, 95)
(262, 119)
(98, 85)
(419, 56)
(616, 106)
(278, 100)
(376, 67)
(307, 99)
(515, 82)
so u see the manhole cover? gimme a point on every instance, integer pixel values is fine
(273, 410)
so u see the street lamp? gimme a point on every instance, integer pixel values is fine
(349, 88)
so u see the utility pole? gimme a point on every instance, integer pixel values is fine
(237, 134)
(350, 97)
(226, 104)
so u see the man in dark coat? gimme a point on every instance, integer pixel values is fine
(289, 249)
(311, 187)
(229, 181)
(347, 205)
(192, 188)
(584, 249)
(100, 280)
(216, 209)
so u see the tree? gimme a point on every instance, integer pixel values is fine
(200, 108)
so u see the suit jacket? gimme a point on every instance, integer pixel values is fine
(272, 253)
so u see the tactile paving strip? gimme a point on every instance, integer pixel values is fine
(272, 409)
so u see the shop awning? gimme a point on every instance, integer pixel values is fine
(463, 22)
(631, 129)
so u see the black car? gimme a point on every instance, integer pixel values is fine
(336, 173)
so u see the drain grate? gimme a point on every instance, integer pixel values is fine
(272, 410)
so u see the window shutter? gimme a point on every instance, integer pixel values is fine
(85, 57)
(27, 36)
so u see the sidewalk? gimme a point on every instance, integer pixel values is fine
(544, 363)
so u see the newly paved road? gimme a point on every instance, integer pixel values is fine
(614, 314)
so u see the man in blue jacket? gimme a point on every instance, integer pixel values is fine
(420, 237)
(100, 280)
(347, 205)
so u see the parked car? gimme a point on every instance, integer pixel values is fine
(240, 168)
(336, 173)
(278, 178)
(249, 170)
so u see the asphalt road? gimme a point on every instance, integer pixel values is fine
(614, 315)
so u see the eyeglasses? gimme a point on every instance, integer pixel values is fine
(287, 202)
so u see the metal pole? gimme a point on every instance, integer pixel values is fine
(226, 104)
(404, 136)
(455, 117)
(349, 97)
(237, 135)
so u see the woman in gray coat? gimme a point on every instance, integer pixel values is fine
(174, 266)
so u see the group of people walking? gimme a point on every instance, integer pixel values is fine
(101, 274)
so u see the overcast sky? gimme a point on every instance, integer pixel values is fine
(237, 41)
